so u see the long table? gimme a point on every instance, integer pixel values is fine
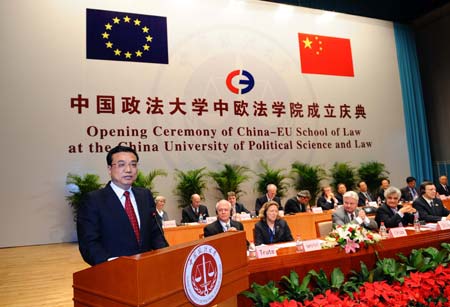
(302, 224)
(263, 270)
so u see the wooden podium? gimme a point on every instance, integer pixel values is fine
(156, 278)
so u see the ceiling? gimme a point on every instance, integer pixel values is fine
(405, 11)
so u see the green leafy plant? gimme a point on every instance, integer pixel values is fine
(343, 172)
(265, 294)
(323, 284)
(230, 178)
(271, 176)
(147, 181)
(425, 259)
(294, 290)
(79, 187)
(307, 177)
(188, 183)
(372, 173)
(390, 270)
(356, 280)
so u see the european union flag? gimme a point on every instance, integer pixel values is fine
(126, 37)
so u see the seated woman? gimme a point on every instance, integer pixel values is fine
(391, 213)
(271, 229)
(160, 201)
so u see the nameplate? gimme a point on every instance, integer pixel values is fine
(317, 210)
(169, 224)
(373, 204)
(265, 251)
(211, 219)
(397, 232)
(311, 245)
(442, 225)
(245, 216)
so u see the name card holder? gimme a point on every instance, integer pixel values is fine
(442, 225)
(245, 216)
(317, 210)
(266, 251)
(211, 219)
(312, 245)
(169, 224)
(397, 232)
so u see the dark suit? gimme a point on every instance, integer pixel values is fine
(340, 198)
(262, 233)
(239, 208)
(441, 190)
(189, 216)
(324, 204)
(263, 199)
(104, 230)
(428, 214)
(362, 198)
(407, 195)
(293, 206)
(381, 195)
(391, 219)
(216, 227)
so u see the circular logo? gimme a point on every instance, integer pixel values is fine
(246, 80)
(202, 276)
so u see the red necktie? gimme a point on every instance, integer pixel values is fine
(131, 214)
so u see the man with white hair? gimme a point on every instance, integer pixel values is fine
(271, 195)
(224, 223)
(350, 213)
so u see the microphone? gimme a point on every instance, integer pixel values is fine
(160, 228)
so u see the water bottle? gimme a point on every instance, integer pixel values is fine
(383, 231)
(416, 222)
(252, 250)
(299, 244)
(200, 219)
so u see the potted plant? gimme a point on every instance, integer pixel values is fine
(271, 176)
(230, 178)
(372, 173)
(307, 177)
(188, 183)
(343, 172)
(79, 187)
(146, 181)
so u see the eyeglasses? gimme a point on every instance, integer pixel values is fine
(122, 165)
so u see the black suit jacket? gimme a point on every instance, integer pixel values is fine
(282, 232)
(440, 189)
(263, 199)
(104, 230)
(188, 215)
(391, 219)
(426, 213)
(324, 204)
(241, 208)
(407, 195)
(363, 198)
(293, 206)
(216, 227)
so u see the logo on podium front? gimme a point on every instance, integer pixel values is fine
(202, 276)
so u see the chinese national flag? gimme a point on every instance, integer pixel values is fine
(325, 55)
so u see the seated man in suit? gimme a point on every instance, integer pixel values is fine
(118, 220)
(349, 213)
(430, 208)
(224, 223)
(442, 188)
(327, 201)
(298, 203)
(364, 195)
(341, 189)
(271, 195)
(410, 192)
(271, 229)
(195, 211)
(236, 208)
(385, 183)
(391, 213)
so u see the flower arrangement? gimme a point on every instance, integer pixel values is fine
(351, 237)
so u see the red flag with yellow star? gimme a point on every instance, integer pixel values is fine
(325, 55)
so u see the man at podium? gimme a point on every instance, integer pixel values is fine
(118, 220)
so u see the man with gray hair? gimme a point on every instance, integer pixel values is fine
(224, 223)
(350, 213)
(391, 213)
(271, 195)
(298, 203)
